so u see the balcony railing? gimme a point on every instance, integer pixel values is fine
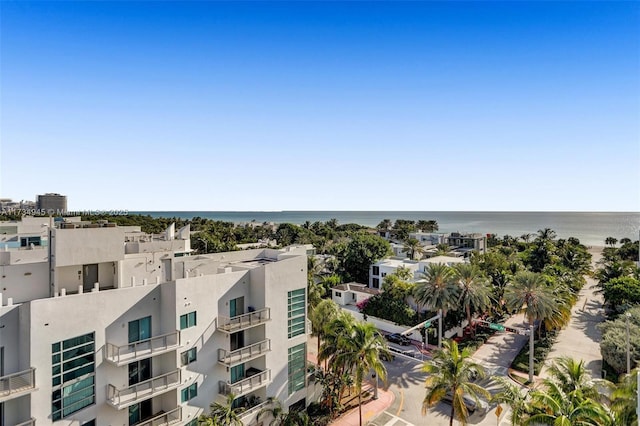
(244, 321)
(247, 385)
(243, 354)
(30, 422)
(121, 355)
(122, 398)
(169, 418)
(255, 409)
(17, 384)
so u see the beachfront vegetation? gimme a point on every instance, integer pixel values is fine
(350, 350)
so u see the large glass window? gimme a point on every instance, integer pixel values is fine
(140, 329)
(139, 412)
(189, 356)
(188, 320)
(296, 312)
(189, 392)
(297, 367)
(73, 380)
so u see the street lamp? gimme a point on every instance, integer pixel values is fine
(205, 244)
(628, 316)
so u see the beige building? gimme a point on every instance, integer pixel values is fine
(106, 325)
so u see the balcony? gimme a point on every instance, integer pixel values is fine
(122, 398)
(244, 321)
(244, 386)
(246, 415)
(172, 417)
(30, 422)
(17, 384)
(122, 355)
(241, 355)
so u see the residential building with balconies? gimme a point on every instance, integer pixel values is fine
(126, 328)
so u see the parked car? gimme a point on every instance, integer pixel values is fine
(398, 339)
(469, 402)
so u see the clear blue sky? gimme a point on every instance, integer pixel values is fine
(322, 106)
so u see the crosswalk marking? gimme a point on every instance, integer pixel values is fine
(395, 419)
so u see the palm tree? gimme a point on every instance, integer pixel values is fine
(512, 395)
(451, 371)
(443, 250)
(623, 399)
(573, 378)
(413, 247)
(529, 294)
(525, 237)
(610, 241)
(325, 312)
(474, 288)
(437, 288)
(338, 330)
(553, 406)
(361, 351)
(274, 410)
(225, 414)
(546, 234)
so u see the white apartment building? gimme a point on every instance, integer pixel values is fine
(105, 325)
(379, 270)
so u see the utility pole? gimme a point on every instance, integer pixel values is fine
(628, 316)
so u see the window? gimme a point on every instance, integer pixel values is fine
(384, 274)
(376, 270)
(140, 329)
(297, 367)
(73, 381)
(189, 356)
(188, 320)
(338, 294)
(193, 422)
(189, 392)
(139, 371)
(375, 283)
(27, 241)
(140, 411)
(296, 312)
(90, 423)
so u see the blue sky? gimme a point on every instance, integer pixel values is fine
(322, 106)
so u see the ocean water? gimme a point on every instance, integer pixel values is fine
(591, 228)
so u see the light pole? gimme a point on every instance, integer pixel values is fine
(375, 389)
(440, 328)
(531, 350)
(205, 244)
(628, 316)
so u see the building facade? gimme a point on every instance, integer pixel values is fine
(52, 202)
(106, 325)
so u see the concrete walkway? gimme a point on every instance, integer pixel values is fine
(503, 347)
(370, 409)
(580, 339)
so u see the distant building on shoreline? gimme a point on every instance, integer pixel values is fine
(52, 201)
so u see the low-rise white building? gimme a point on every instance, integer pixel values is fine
(352, 293)
(111, 326)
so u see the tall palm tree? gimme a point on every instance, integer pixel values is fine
(336, 332)
(225, 414)
(413, 246)
(528, 293)
(361, 351)
(452, 371)
(474, 288)
(325, 312)
(437, 288)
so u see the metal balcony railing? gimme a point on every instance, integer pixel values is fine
(121, 398)
(124, 354)
(244, 386)
(247, 353)
(30, 422)
(172, 417)
(244, 321)
(17, 384)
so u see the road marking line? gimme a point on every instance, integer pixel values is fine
(394, 419)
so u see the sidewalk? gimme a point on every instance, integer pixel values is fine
(370, 409)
